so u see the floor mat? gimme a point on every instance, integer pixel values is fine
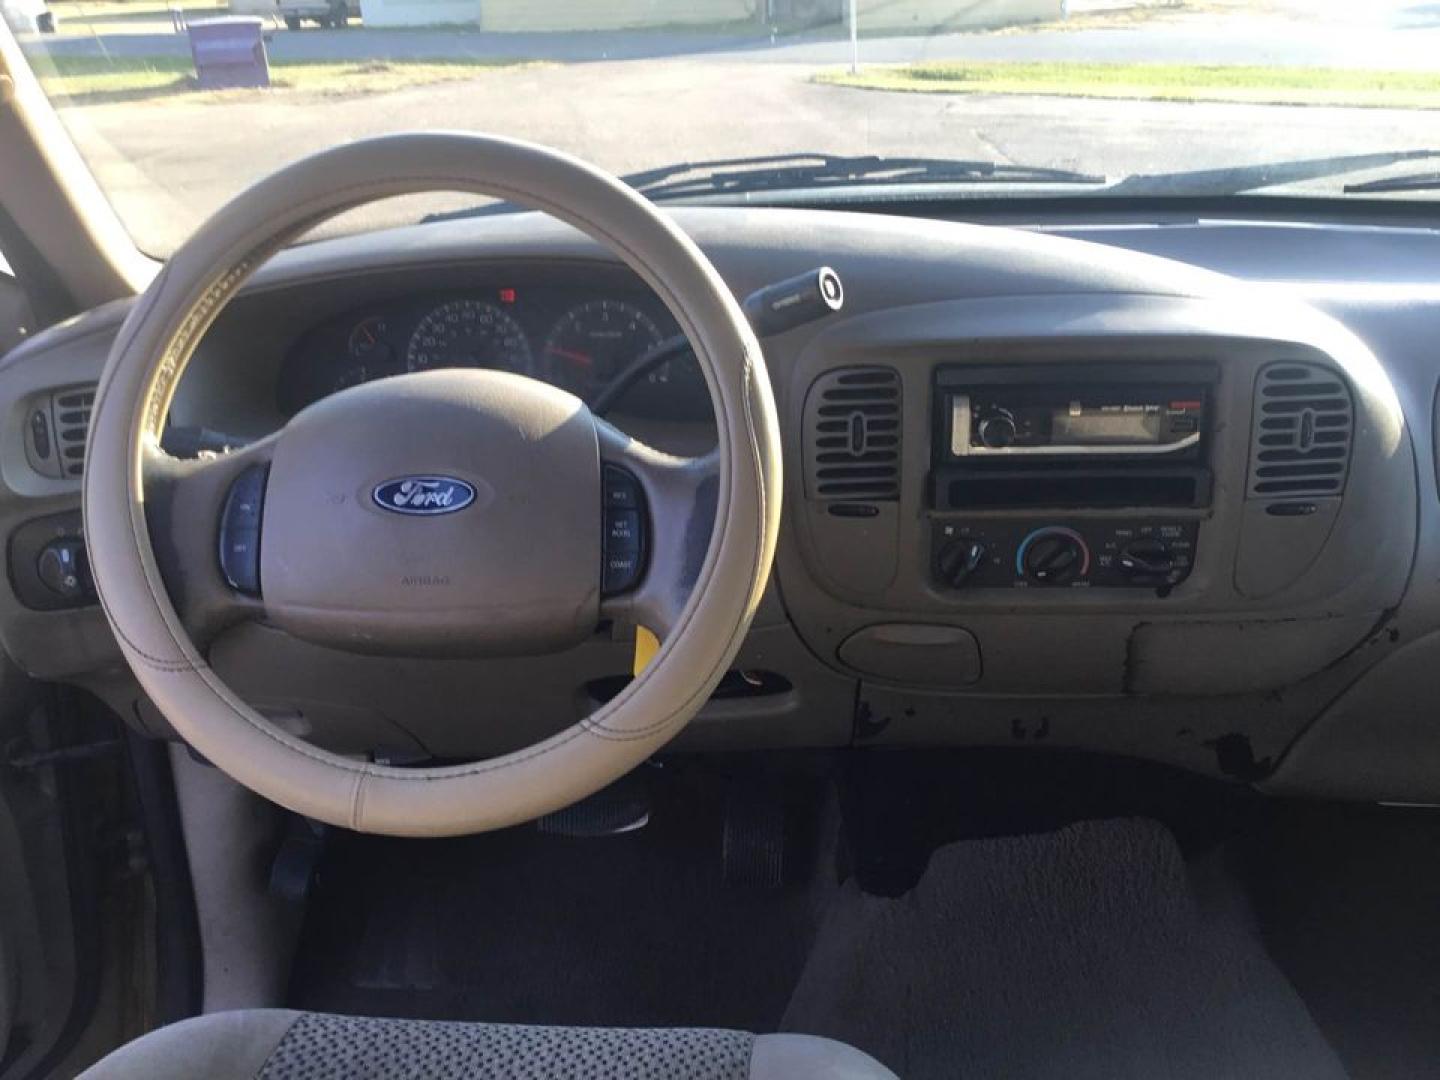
(1347, 899)
(635, 929)
(1076, 954)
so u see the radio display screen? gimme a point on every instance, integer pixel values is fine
(1113, 425)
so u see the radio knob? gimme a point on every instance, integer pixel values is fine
(997, 429)
(1053, 557)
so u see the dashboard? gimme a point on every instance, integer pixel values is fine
(1075, 490)
(555, 327)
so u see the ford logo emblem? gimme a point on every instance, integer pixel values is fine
(423, 496)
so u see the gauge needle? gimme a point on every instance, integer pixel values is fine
(571, 354)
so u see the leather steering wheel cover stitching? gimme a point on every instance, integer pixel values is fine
(134, 397)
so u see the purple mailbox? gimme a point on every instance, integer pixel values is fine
(229, 52)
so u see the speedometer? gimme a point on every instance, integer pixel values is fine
(468, 333)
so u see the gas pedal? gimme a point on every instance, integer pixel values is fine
(753, 845)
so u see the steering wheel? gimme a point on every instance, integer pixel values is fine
(510, 473)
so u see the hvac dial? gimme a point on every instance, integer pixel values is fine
(1053, 556)
(468, 333)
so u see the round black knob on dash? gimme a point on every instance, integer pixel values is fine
(997, 430)
(63, 568)
(958, 560)
(1053, 559)
(1145, 558)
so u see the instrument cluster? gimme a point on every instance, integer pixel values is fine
(577, 337)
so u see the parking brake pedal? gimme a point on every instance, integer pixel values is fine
(753, 846)
(293, 872)
(622, 807)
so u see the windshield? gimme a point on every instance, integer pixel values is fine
(176, 109)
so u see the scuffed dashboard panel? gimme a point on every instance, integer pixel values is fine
(575, 333)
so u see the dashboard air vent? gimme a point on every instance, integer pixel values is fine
(852, 436)
(71, 409)
(1304, 419)
(56, 425)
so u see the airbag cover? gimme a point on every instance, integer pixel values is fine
(439, 512)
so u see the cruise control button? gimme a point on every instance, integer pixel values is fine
(622, 571)
(240, 531)
(246, 496)
(622, 531)
(624, 537)
(622, 491)
(240, 559)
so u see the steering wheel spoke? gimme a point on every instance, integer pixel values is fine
(659, 516)
(205, 516)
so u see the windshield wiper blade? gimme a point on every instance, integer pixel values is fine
(1423, 181)
(724, 177)
(1210, 183)
(780, 172)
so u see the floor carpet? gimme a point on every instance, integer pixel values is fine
(1086, 952)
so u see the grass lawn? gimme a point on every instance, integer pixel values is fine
(93, 79)
(1157, 82)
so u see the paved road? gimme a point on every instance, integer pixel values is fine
(169, 162)
(1381, 33)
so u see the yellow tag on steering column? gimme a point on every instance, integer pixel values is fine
(646, 646)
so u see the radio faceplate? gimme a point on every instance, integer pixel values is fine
(1077, 436)
(1140, 553)
(1068, 422)
(1102, 411)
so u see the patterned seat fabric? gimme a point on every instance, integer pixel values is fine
(324, 1047)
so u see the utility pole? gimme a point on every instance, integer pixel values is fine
(854, 39)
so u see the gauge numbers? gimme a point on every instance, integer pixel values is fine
(368, 354)
(468, 333)
(594, 342)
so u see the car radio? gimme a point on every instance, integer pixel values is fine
(1071, 438)
(1072, 419)
(1099, 435)
(1072, 422)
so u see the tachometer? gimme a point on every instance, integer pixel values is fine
(591, 343)
(468, 333)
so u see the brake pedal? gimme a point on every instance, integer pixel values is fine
(622, 807)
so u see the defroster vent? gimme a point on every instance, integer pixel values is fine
(1304, 421)
(852, 436)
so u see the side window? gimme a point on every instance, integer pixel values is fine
(16, 319)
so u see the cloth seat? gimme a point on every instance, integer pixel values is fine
(278, 1044)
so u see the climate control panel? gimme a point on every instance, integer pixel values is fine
(1109, 553)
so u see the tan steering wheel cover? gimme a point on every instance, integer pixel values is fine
(151, 353)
